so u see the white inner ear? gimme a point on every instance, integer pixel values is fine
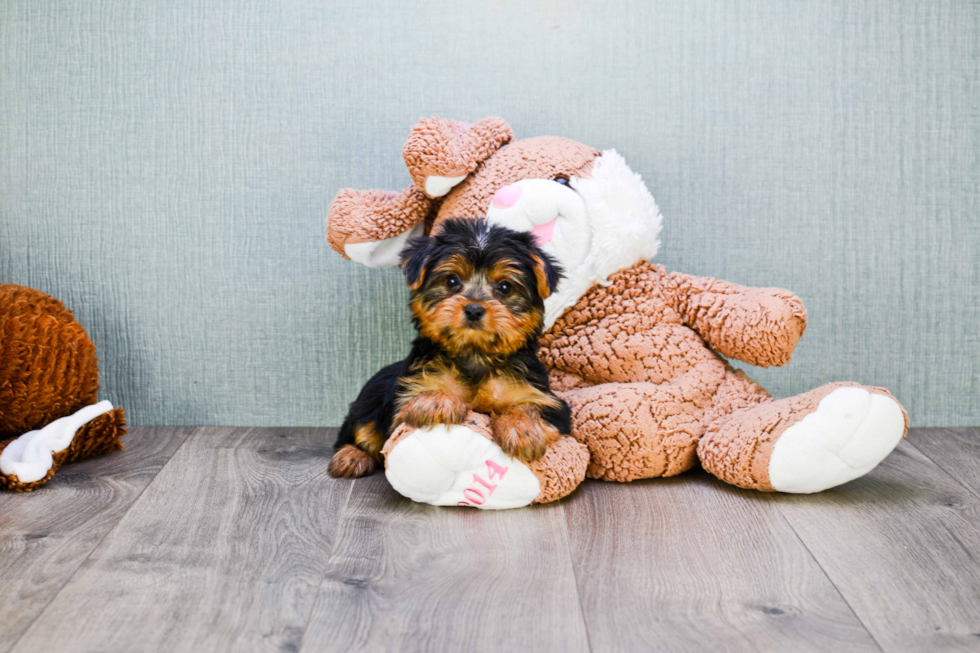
(382, 253)
(436, 186)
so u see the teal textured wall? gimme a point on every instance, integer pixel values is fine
(166, 167)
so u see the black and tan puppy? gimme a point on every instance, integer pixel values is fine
(477, 302)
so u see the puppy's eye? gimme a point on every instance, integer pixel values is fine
(503, 288)
(561, 179)
(453, 282)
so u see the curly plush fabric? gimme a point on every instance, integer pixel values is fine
(359, 216)
(654, 382)
(48, 367)
(760, 326)
(48, 370)
(446, 148)
(672, 316)
(638, 352)
(543, 157)
(100, 436)
(560, 470)
(737, 449)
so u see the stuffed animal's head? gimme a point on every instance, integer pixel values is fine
(48, 367)
(585, 207)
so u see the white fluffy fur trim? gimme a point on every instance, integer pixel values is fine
(382, 253)
(30, 455)
(625, 223)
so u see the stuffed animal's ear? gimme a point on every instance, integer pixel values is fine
(547, 273)
(371, 226)
(413, 258)
(440, 153)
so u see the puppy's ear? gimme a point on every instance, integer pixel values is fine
(547, 273)
(413, 260)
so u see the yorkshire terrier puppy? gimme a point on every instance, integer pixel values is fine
(477, 301)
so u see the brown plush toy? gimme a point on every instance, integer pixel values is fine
(639, 353)
(49, 377)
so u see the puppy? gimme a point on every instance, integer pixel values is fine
(477, 301)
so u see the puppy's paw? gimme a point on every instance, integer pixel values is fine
(523, 435)
(431, 408)
(351, 462)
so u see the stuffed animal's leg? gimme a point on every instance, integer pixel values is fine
(635, 430)
(807, 443)
(461, 465)
(35, 459)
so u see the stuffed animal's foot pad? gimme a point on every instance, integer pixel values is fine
(455, 465)
(849, 433)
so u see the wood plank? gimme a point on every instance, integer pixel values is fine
(956, 451)
(47, 534)
(692, 564)
(412, 577)
(902, 545)
(223, 552)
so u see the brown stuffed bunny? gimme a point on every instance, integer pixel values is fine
(636, 351)
(49, 377)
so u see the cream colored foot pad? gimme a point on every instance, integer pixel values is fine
(450, 466)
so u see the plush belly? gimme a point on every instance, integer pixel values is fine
(604, 353)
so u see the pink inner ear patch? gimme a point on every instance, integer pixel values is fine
(543, 233)
(507, 196)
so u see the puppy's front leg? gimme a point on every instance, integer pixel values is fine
(431, 408)
(523, 434)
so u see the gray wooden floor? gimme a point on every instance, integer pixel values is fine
(221, 539)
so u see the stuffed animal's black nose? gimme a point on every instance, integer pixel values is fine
(473, 312)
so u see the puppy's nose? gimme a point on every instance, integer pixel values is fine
(473, 312)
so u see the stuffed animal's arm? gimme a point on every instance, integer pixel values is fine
(372, 226)
(760, 326)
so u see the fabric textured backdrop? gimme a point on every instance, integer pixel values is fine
(166, 167)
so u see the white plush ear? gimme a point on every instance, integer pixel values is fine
(436, 186)
(372, 226)
(382, 253)
(440, 153)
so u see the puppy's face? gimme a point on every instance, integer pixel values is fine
(478, 289)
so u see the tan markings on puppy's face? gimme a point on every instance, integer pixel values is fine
(470, 310)
(504, 271)
(457, 265)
